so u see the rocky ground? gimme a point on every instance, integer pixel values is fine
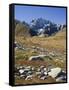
(39, 66)
(39, 74)
(40, 59)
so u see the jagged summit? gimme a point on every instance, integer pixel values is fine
(37, 27)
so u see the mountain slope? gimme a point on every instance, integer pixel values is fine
(61, 34)
(22, 30)
(38, 27)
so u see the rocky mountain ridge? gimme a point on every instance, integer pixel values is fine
(37, 27)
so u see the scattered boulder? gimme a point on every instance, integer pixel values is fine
(22, 76)
(18, 46)
(42, 72)
(43, 77)
(35, 58)
(29, 77)
(61, 76)
(52, 54)
(54, 72)
(21, 71)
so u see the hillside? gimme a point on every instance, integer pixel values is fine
(38, 27)
(57, 41)
(61, 33)
(21, 30)
(53, 47)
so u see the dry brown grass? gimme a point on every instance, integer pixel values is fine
(57, 42)
(35, 80)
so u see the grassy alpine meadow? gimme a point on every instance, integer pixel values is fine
(55, 43)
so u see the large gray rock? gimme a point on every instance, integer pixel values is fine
(61, 76)
(29, 77)
(35, 58)
(54, 72)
